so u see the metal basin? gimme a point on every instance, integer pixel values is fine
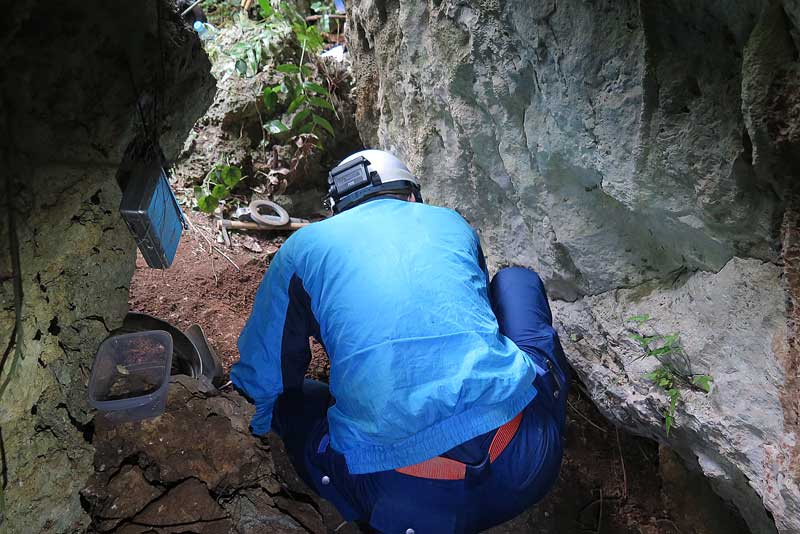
(187, 357)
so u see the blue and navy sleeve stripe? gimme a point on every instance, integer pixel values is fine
(273, 346)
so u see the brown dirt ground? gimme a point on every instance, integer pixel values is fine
(203, 287)
(610, 483)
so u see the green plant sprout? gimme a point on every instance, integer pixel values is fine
(305, 97)
(667, 349)
(257, 43)
(217, 186)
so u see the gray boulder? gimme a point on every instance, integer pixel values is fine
(640, 156)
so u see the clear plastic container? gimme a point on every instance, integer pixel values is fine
(130, 375)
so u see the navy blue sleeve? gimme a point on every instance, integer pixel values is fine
(273, 346)
(299, 325)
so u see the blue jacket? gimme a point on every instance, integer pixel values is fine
(397, 293)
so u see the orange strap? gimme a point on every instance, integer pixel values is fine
(440, 468)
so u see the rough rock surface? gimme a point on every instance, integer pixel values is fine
(640, 156)
(197, 468)
(68, 115)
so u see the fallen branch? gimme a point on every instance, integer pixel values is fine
(225, 256)
(191, 7)
(577, 411)
(240, 225)
(314, 18)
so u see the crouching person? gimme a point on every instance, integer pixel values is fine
(446, 403)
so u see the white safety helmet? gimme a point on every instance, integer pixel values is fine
(367, 174)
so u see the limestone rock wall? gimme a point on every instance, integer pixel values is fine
(73, 74)
(642, 157)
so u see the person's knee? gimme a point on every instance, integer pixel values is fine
(511, 279)
(516, 275)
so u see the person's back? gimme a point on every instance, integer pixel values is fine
(404, 314)
(423, 381)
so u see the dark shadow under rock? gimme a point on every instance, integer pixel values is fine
(612, 482)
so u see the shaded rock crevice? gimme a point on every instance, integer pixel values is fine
(70, 109)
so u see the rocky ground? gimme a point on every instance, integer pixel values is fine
(197, 469)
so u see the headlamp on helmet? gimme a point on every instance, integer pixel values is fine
(367, 174)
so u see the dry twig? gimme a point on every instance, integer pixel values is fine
(577, 411)
(314, 18)
(211, 245)
(622, 463)
(600, 514)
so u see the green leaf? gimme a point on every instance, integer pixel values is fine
(266, 8)
(231, 176)
(671, 340)
(306, 71)
(270, 99)
(257, 53)
(703, 382)
(288, 68)
(661, 351)
(198, 191)
(638, 318)
(308, 36)
(317, 88)
(252, 63)
(668, 420)
(322, 121)
(644, 341)
(207, 203)
(239, 50)
(276, 127)
(299, 99)
(220, 191)
(320, 103)
(300, 117)
(292, 89)
(673, 395)
(307, 128)
(241, 67)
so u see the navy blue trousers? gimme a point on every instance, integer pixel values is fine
(491, 493)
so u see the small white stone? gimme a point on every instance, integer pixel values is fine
(410, 531)
(326, 480)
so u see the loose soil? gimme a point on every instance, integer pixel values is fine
(611, 482)
(203, 287)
